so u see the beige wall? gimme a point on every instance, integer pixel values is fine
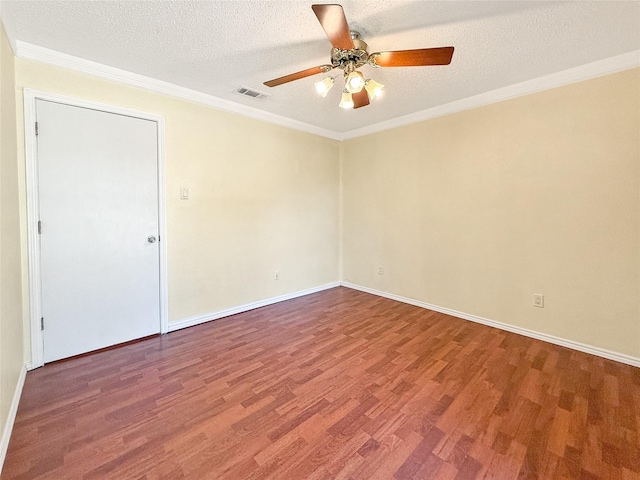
(262, 197)
(11, 354)
(479, 210)
(474, 211)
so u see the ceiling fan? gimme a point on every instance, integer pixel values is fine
(349, 53)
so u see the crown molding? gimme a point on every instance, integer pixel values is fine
(36, 53)
(595, 69)
(599, 68)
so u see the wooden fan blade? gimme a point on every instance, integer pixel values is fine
(360, 99)
(334, 23)
(413, 58)
(298, 75)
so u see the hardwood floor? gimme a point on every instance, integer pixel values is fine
(336, 385)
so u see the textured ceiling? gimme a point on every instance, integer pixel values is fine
(215, 46)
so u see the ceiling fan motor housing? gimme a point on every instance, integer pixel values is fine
(356, 57)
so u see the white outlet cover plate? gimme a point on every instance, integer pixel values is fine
(538, 300)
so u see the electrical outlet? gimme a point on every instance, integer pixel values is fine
(276, 275)
(538, 300)
(380, 270)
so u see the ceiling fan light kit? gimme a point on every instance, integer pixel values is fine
(349, 53)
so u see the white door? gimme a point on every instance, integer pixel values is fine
(99, 255)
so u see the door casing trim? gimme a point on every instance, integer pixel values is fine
(33, 213)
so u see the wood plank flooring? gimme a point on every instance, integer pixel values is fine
(335, 385)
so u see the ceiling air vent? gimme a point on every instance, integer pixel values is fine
(248, 92)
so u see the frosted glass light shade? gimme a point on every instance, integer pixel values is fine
(373, 88)
(347, 100)
(354, 82)
(324, 86)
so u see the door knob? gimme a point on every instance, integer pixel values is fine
(151, 239)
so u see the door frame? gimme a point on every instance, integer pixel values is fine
(33, 203)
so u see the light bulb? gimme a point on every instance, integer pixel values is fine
(324, 86)
(347, 100)
(373, 88)
(354, 82)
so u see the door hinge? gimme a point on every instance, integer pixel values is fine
(36, 129)
(39, 227)
(41, 323)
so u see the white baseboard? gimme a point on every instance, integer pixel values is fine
(581, 347)
(207, 317)
(8, 426)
